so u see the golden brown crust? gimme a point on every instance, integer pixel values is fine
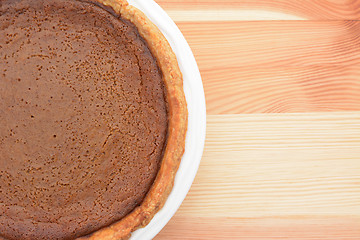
(177, 113)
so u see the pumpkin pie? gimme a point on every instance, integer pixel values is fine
(93, 119)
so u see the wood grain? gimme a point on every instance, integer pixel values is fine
(277, 66)
(307, 9)
(307, 228)
(282, 89)
(273, 43)
(294, 173)
(277, 176)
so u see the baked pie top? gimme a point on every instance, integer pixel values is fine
(92, 119)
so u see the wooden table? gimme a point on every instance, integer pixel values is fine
(282, 152)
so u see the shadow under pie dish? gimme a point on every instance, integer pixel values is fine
(93, 119)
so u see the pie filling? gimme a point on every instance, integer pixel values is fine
(83, 118)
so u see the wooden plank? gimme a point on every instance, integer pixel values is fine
(306, 228)
(307, 9)
(276, 176)
(282, 89)
(274, 43)
(288, 164)
(277, 66)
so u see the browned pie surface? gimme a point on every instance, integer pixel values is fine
(83, 118)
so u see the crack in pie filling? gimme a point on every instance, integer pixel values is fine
(92, 119)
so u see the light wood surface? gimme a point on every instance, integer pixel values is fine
(277, 66)
(282, 152)
(309, 9)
